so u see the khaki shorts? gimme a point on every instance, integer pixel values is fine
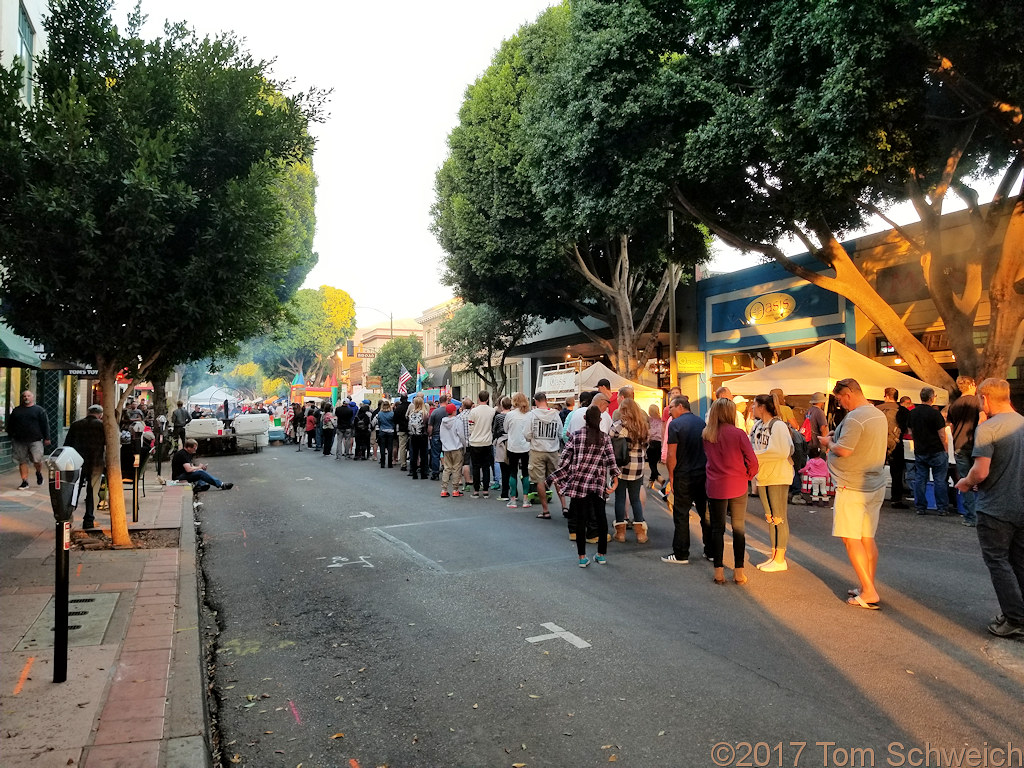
(542, 464)
(27, 453)
(856, 513)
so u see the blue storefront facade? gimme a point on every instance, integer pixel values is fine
(758, 316)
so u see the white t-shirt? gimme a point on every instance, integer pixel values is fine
(480, 419)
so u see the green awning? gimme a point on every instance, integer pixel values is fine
(15, 351)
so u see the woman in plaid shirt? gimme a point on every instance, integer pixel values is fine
(582, 476)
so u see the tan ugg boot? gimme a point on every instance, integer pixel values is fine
(620, 532)
(641, 532)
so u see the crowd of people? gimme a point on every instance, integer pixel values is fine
(606, 445)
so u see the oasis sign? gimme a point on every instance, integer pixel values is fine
(770, 308)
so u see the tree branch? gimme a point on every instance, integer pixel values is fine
(590, 277)
(911, 241)
(594, 337)
(729, 237)
(656, 302)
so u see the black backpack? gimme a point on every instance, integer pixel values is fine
(799, 448)
(362, 423)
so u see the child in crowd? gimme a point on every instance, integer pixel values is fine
(454, 439)
(817, 472)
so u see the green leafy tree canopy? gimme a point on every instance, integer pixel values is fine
(479, 337)
(403, 350)
(142, 218)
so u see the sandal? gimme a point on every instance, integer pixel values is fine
(859, 601)
(544, 516)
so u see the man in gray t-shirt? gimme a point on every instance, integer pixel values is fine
(998, 474)
(856, 459)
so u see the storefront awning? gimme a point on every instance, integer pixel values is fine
(15, 351)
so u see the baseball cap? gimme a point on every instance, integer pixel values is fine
(451, 409)
(818, 397)
(740, 400)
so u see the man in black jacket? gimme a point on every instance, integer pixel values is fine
(86, 437)
(402, 428)
(30, 431)
(343, 415)
(930, 453)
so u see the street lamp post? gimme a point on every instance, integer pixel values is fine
(388, 315)
(673, 365)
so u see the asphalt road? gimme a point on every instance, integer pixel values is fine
(365, 621)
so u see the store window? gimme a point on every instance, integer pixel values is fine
(26, 51)
(10, 391)
(732, 364)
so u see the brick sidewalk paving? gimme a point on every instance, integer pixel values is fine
(134, 696)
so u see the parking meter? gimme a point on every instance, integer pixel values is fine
(161, 436)
(65, 466)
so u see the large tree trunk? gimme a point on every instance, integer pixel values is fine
(112, 433)
(626, 355)
(1006, 327)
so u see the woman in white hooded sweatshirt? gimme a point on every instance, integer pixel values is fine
(516, 426)
(773, 447)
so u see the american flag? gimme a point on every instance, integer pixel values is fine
(404, 377)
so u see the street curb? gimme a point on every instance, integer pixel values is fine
(187, 726)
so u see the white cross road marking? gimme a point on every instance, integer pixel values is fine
(361, 514)
(558, 632)
(340, 561)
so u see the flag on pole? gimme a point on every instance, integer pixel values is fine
(403, 378)
(421, 376)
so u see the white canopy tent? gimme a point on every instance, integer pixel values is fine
(213, 397)
(643, 394)
(819, 368)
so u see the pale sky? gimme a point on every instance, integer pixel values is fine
(399, 71)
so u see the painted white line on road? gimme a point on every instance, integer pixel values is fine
(302, 479)
(556, 633)
(434, 522)
(340, 561)
(362, 514)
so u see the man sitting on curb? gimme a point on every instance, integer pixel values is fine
(182, 467)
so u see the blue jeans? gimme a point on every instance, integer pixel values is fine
(963, 466)
(435, 455)
(200, 474)
(632, 487)
(938, 463)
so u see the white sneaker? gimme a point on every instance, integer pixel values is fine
(527, 503)
(773, 565)
(513, 504)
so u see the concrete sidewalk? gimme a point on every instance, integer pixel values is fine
(135, 693)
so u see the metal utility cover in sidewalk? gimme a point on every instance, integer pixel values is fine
(88, 617)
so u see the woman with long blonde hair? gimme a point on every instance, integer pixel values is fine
(517, 426)
(731, 465)
(418, 416)
(634, 426)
